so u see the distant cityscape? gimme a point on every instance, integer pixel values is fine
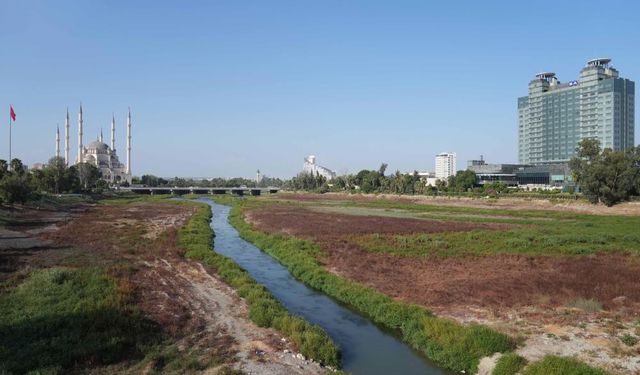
(552, 120)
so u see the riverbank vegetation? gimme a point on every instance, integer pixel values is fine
(393, 245)
(196, 237)
(87, 301)
(61, 318)
(447, 343)
(509, 364)
(554, 365)
(74, 307)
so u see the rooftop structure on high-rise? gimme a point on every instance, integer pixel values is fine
(556, 116)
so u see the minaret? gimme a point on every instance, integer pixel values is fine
(80, 135)
(129, 143)
(113, 133)
(100, 139)
(57, 140)
(66, 139)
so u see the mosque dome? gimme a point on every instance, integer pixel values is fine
(97, 147)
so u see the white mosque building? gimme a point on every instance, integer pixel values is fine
(98, 153)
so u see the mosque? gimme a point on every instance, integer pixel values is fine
(98, 153)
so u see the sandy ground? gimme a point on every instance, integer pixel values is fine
(137, 245)
(525, 296)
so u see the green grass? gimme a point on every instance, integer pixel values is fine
(449, 344)
(552, 365)
(629, 340)
(509, 364)
(589, 305)
(58, 319)
(313, 342)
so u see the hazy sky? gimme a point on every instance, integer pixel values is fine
(222, 88)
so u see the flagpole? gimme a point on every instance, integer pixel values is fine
(10, 141)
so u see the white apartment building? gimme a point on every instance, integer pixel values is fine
(445, 165)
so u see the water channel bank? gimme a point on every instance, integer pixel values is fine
(366, 349)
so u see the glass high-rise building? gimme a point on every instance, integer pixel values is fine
(556, 116)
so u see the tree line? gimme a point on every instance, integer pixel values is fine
(602, 176)
(155, 181)
(19, 184)
(378, 182)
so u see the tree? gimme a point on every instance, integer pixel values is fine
(4, 168)
(17, 167)
(608, 176)
(55, 175)
(88, 175)
(149, 180)
(382, 169)
(462, 181)
(15, 189)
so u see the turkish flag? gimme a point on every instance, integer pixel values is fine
(12, 113)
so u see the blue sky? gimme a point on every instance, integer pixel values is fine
(222, 88)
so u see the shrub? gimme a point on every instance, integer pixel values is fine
(628, 339)
(509, 364)
(553, 365)
(589, 305)
(14, 189)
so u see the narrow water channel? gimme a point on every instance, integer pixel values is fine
(366, 349)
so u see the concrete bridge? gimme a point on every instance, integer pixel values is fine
(200, 190)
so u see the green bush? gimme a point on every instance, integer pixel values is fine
(628, 339)
(445, 342)
(509, 364)
(553, 365)
(313, 342)
(14, 189)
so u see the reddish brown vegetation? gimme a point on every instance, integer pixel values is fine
(301, 222)
(453, 285)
